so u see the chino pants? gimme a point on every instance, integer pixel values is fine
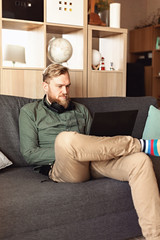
(78, 157)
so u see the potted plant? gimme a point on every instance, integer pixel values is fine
(102, 8)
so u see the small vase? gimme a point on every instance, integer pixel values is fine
(104, 16)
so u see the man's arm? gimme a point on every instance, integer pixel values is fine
(29, 143)
(88, 121)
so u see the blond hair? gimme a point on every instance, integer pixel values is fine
(54, 70)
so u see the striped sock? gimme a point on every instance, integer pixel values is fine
(151, 147)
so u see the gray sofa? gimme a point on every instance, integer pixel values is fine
(34, 208)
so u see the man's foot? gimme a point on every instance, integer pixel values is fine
(151, 147)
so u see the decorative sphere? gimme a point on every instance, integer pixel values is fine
(59, 50)
(96, 57)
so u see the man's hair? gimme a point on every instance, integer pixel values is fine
(54, 70)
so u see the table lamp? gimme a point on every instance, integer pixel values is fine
(15, 54)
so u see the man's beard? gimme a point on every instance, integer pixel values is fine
(64, 103)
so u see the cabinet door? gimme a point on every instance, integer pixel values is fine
(102, 84)
(141, 40)
(25, 83)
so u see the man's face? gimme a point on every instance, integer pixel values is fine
(58, 90)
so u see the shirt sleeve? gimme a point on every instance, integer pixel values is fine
(29, 144)
(88, 121)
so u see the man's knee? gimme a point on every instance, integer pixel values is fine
(142, 164)
(67, 168)
(143, 160)
(66, 137)
(65, 141)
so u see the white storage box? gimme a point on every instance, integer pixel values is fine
(68, 12)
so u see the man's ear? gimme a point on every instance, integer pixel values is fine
(45, 86)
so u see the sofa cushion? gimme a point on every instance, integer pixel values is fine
(152, 126)
(38, 208)
(4, 161)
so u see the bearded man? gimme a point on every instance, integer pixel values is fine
(54, 132)
(41, 121)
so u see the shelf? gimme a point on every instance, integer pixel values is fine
(102, 32)
(20, 25)
(157, 26)
(76, 70)
(111, 44)
(33, 41)
(62, 29)
(106, 71)
(22, 68)
(34, 36)
(141, 41)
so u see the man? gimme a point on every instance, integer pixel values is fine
(55, 132)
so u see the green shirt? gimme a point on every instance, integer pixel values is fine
(39, 126)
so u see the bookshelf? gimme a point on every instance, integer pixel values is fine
(26, 79)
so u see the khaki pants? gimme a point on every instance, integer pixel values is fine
(78, 157)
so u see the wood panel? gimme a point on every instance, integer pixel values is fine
(76, 89)
(141, 40)
(20, 24)
(102, 84)
(25, 83)
(28, 83)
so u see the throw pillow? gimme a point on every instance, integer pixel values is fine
(4, 161)
(152, 126)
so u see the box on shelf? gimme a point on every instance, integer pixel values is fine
(68, 12)
(21, 9)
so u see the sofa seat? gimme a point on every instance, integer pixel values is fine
(33, 205)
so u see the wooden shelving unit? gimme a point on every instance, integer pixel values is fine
(143, 41)
(26, 79)
(112, 44)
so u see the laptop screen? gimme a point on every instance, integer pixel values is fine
(113, 123)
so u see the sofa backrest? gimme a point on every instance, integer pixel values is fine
(9, 127)
(10, 107)
(109, 104)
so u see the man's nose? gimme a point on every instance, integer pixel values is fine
(64, 90)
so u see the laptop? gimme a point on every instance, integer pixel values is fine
(113, 123)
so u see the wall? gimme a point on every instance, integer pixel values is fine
(152, 6)
(136, 12)
(132, 11)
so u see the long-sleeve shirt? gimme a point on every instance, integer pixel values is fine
(39, 126)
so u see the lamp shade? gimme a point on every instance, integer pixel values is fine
(15, 53)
